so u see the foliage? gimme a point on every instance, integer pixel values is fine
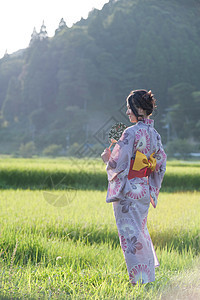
(27, 150)
(52, 150)
(93, 65)
(180, 147)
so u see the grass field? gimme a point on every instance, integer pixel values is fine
(63, 244)
(85, 174)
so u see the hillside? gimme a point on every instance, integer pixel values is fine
(62, 90)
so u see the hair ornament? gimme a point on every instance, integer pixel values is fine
(141, 99)
(148, 96)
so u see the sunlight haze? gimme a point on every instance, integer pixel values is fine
(18, 18)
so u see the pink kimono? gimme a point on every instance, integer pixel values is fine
(131, 197)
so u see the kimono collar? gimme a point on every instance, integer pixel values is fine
(147, 122)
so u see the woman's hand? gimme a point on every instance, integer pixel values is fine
(106, 155)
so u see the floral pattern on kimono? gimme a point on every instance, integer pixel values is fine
(146, 139)
(133, 245)
(140, 272)
(156, 177)
(131, 197)
(118, 167)
(145, 230)
(142, 141)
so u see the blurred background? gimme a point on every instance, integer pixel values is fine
(61, 94)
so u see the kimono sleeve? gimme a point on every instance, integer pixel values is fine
(118, 167)
(156, 177)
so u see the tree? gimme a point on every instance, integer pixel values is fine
(12, 106)
(27, 150)
(62, 25)
(181, 113)
(43, 32)
(34, 37)
(53, 150)
(92, 66)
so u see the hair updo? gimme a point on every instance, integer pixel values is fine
(141, 99)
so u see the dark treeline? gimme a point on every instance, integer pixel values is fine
(59, 91)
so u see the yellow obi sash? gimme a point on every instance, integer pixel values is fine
(141, 166)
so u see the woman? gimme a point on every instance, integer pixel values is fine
(135, 171)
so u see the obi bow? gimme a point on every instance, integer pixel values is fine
(141, 166)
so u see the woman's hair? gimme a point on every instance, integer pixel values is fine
(141, 99)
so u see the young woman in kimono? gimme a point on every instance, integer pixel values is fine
(135, 171)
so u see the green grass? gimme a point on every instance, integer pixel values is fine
(73, 251)
(39, 173)
(84, 235)
(84, 174)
